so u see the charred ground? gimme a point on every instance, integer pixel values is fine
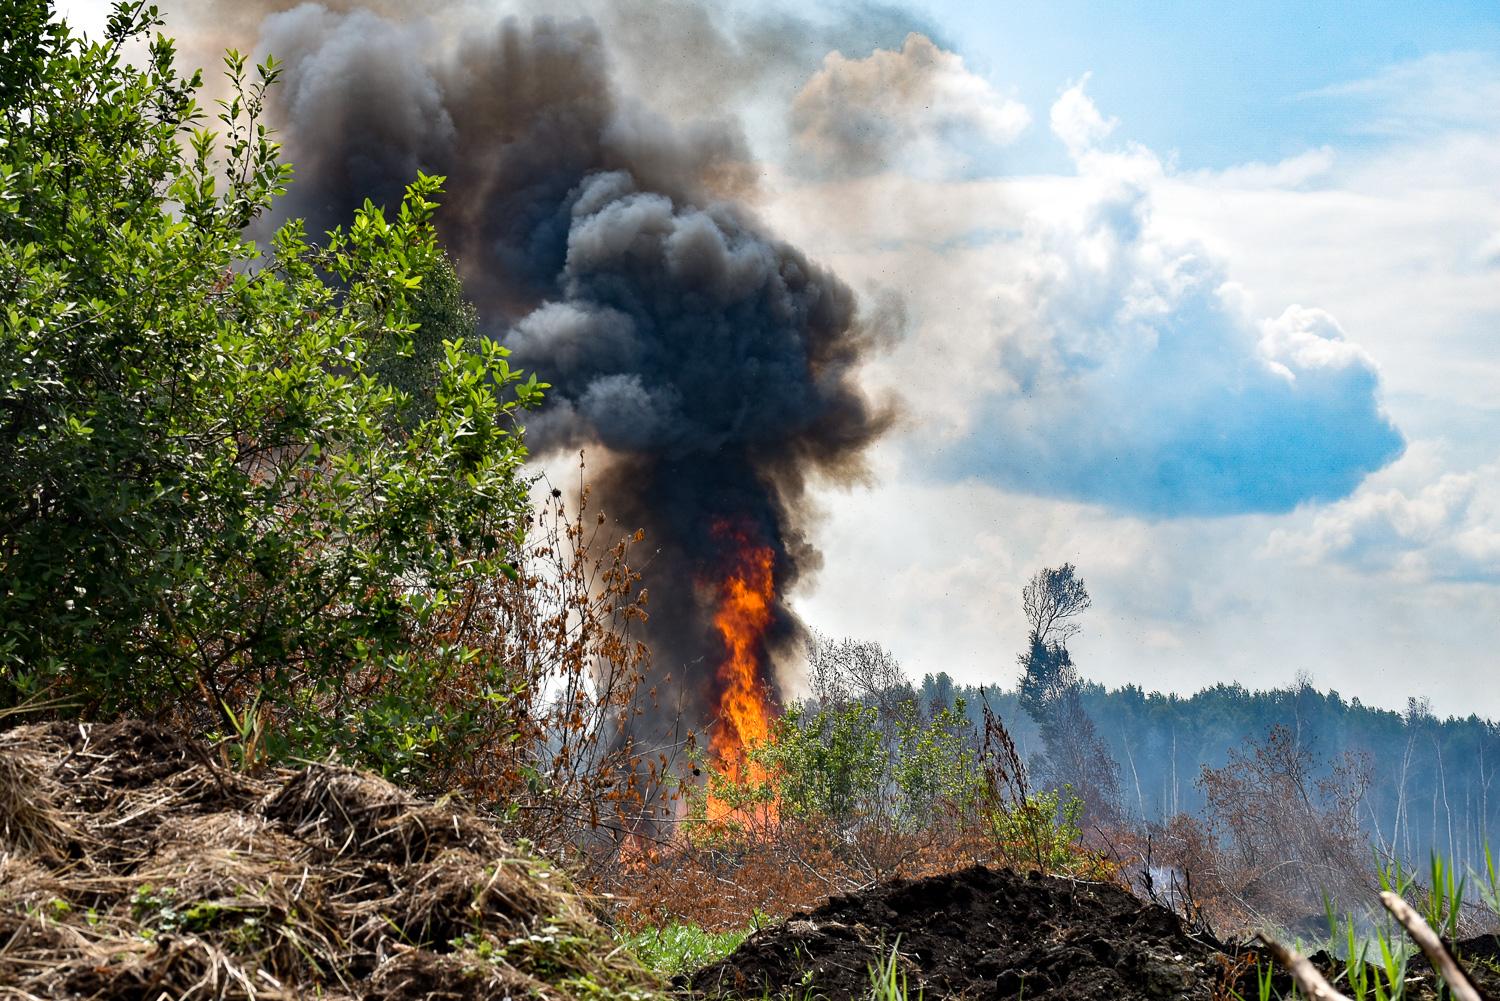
(999, 934)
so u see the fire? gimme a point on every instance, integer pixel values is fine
(745, 612)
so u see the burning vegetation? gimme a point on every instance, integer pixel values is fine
(746, 608)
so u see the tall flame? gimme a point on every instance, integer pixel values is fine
(746, 602)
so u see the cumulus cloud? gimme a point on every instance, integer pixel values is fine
(1449, 530)
(1138, 377)
(1076, 120)
(919, 109)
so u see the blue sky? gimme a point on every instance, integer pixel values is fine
(1219, 84)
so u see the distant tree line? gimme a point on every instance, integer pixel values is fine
(1270, 800)
(1429, 780)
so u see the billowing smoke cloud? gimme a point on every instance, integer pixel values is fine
(919, 109)
(714, 362)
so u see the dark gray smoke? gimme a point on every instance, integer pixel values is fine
(714, 362)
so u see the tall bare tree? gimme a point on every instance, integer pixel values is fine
(1051, 692)
(1051, 600)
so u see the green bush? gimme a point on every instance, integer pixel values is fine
(846, 765)
(1043, 830)
(235, 476)
(828, 763)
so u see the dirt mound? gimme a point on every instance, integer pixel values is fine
(996, 934)
(980, 933)
(133, 865)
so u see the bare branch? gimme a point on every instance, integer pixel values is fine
(1432, 946)
(1307, 976)
(1052, 597)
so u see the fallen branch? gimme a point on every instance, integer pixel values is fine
(1437, 953)
(1307, 976)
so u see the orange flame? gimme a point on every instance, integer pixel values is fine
(744, 614)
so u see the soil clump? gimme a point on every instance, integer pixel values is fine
(982, 933)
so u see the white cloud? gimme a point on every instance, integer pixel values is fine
(1447, 530)
(1076, 119)
(1489, 251)
(1068, 344)
(1137, 379)
(1303, 339)
(1440, 91)
(1383, 246)
(918, 110)
(1292, 173)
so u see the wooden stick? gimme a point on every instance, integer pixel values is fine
(1307, 976)
(1437, 953)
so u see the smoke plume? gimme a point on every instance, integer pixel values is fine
(606, 247)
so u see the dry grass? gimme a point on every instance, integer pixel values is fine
(132, 865)
(26, 821)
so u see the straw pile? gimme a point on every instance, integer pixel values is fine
(133, 865)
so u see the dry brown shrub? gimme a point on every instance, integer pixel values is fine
(178, 879)
(559, 753)
(765, 863)
(29, 824)
(1288, 836)
(1280, 839)
(739, 878)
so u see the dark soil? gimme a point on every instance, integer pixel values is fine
(996, 934)
(981, 933)
(1480, 956)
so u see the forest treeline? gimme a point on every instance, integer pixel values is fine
(1413, 783)
(1266, 801)
(1429, 779)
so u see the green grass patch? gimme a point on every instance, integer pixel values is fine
(678, 949)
